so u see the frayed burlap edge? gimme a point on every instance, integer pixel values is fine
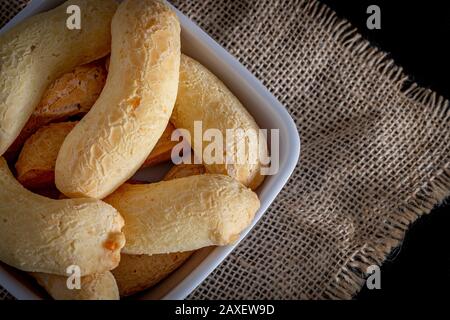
(351, 277)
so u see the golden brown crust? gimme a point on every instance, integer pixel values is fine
(36, 164)
(72, 94)
(39, 50)
(98, 286)
(183, 214)
(163, 148)
(38, 234)
(184, 170)
(203, 97)
(139, 272)
(113, 140)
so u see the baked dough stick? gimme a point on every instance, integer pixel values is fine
(40, 49)
(203, 97)
(113, 140)
(72, 94)
(98, 286)
(38, 234)
(35, 166)
(183, 214)
(139, 272)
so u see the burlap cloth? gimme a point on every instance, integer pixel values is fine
(375, 150)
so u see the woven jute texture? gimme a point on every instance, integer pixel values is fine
(375, 150)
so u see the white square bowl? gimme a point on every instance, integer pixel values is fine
(263, 106)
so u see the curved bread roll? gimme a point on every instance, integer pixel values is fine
(38, 234)
(203, 97)
(113, 140)
(36, 164)
(72, 94)
(183, 214)
(40, 49)
(98, 286)
(139, 272)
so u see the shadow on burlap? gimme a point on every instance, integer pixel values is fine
(375, 151)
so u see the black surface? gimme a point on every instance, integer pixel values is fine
(417, 35)
(230, 309)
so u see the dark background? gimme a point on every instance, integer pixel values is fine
(417, 35)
